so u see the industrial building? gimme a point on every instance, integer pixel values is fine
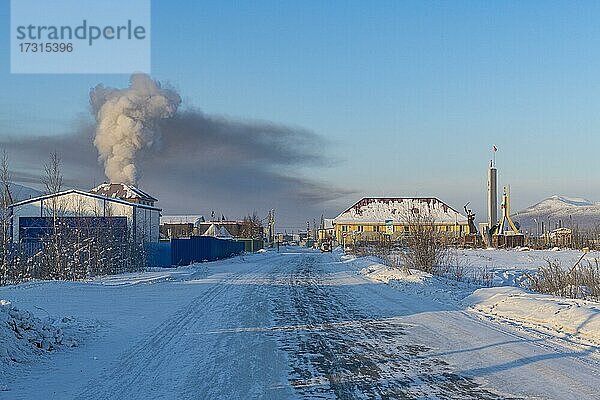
(121, 208)
(378, 218)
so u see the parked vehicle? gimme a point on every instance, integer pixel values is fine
(326, 247)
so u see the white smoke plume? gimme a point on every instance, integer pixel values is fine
(127, 122)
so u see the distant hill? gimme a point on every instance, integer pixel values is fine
(20, 192)
(560, 210)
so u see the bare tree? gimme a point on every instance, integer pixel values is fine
(426, 247)
(52, 181)
(5, 179)
(251, 227)
(5, 201)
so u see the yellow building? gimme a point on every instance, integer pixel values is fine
(375, 219)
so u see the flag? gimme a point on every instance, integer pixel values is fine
(494, 148)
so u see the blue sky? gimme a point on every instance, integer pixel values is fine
(410, 95)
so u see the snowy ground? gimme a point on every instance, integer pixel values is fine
(298, 324)
(574, 320)
(509, 266)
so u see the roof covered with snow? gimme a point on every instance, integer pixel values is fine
(181, 219)
(380, 209)
(122, 191)
(218, 231)
(81, 193)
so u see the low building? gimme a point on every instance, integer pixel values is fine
(178, 226)
(375, 219)
(218, 231)
(183, 226)
(237, 229)
(89, 212)
(326, 230)
(560, 237)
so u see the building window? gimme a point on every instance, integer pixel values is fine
(359, 228)
(344, 228)
(376, 228)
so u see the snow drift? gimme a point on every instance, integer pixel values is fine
(23, 337)
(576, 318)
(385, 274)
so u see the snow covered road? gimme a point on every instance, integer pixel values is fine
(298, 324)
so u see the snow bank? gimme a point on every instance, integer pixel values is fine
(576, 318)
(347, 258)
(23, 337)
(509, 267)
(383, 273)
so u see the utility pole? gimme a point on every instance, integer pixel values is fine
(269, 233)
(271, 218)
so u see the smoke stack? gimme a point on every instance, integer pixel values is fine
(492, 196)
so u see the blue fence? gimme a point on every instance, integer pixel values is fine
(186, 251)
(158, 254)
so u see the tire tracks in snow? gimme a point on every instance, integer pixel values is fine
(244, 361)
(371, 358)
(143, 365)
(522, 349)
